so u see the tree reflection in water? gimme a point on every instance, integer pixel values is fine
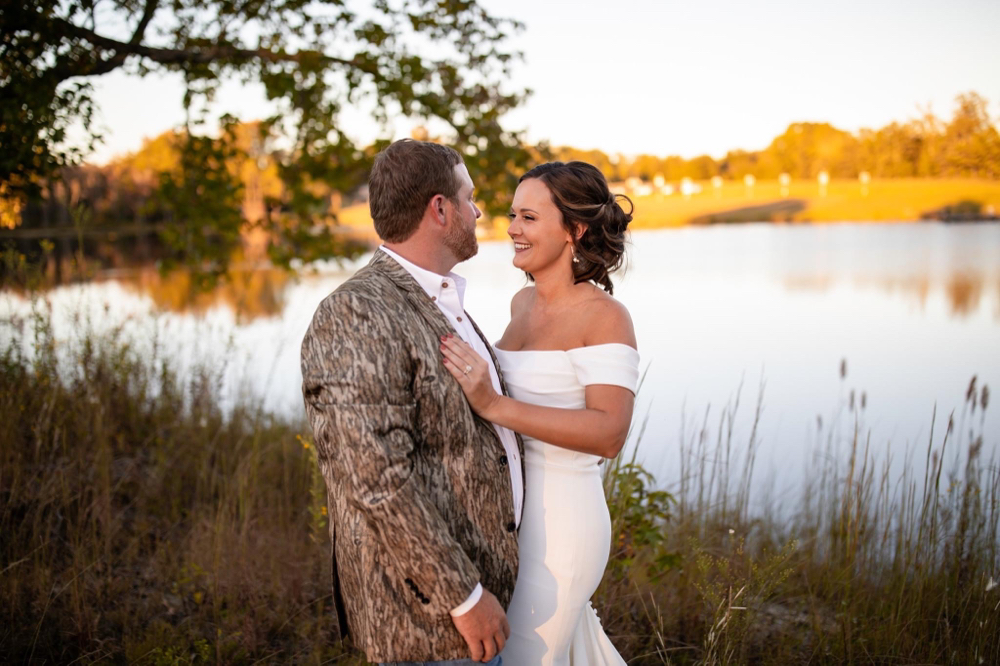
(250, 293)
(964, 290)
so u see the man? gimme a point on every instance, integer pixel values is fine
(424, 497)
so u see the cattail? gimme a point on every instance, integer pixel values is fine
(852, 400)
(951, 424)
(984, 397)
(843, 368)
(864, 399)
(819, 422)
(970, 395)
(975, 448)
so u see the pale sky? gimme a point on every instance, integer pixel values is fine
(686, 78)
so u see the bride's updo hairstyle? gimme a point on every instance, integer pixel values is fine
(580, 192)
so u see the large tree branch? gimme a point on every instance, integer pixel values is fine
(118, 59)
(193, 56)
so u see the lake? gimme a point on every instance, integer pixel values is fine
(912, 311)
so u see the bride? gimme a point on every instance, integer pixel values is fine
(570, 363)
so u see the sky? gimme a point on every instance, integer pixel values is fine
(680, 78)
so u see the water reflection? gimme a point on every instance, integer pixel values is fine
(964, 293)
(261, 292)
(967, 293)
(962, 262)
(915, 310)
(250, 293)
(257, 293)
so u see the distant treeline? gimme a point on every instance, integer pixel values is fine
(966, 146)
(132, 189)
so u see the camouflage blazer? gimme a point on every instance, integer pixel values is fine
(418, 491)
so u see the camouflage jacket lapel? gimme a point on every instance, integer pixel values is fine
(503, 387)
(431, 313)
(493, 356)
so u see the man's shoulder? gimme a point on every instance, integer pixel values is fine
(364, 309)
(368, 288)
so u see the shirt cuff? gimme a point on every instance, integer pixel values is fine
(467, 605)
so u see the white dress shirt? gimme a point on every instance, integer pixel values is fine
(448, 293)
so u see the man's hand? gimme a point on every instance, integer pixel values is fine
(484, 628)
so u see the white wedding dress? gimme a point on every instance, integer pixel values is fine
(565, 534)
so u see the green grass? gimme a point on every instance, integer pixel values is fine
(141, 524)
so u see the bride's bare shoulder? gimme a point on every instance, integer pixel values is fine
(607, 321)
(522, 300)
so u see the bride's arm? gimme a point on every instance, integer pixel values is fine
(599, 429)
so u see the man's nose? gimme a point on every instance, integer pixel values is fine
(479, 213)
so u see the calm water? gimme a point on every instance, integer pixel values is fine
(913, 308)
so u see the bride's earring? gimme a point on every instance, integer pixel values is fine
(576, 259)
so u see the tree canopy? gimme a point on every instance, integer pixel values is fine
(442, 61)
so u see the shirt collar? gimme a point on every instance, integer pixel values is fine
(430, 281)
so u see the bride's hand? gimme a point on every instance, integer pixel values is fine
(472, 373)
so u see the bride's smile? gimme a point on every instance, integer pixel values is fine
(537, 230)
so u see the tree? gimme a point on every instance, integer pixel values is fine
(971, 142)
(313, 57)
(893, 151)
(702, 167)
(596, 157)
(805, 149)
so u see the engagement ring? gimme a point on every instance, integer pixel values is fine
(468, 369)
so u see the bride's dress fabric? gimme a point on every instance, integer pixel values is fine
(565, 534)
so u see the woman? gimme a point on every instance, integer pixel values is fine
(570, 363)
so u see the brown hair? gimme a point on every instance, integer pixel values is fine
(580, 192)
(404, 177)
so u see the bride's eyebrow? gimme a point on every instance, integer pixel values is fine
(525, 210)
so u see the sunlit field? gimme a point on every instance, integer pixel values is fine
(888, 200)
(902, 199)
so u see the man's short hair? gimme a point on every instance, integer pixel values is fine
(405, 176)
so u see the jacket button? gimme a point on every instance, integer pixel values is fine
(511, 526)
(408, 582)
(503, 460)
(425, 601)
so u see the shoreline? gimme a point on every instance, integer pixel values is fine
(902, 200)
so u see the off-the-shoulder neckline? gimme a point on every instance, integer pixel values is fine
(564, 351)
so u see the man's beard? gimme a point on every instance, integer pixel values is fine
(460, 239)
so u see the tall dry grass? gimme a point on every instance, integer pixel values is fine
(875, 561)
(140, 523)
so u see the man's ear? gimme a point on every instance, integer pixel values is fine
(436, 206)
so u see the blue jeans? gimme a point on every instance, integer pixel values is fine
(497, 661)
